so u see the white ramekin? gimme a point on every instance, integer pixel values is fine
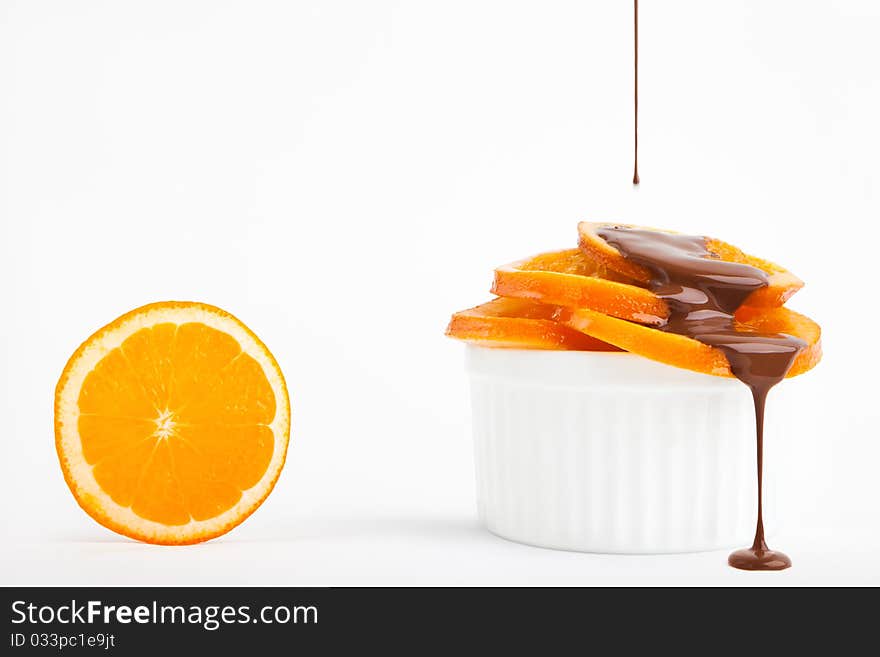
(611, 452)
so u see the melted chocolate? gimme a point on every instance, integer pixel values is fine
(703, 293)
(636, 91)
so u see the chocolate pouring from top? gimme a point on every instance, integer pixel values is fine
(636, 92)
(703, 293)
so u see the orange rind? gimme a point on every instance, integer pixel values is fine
(687, 353)
(782, 284)
(519, 323)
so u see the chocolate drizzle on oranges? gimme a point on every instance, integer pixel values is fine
(703, 293)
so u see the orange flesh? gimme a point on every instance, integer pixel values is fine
(154, 424)
(690, 354)
(519, 323)
(781, 286)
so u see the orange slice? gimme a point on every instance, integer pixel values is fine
(687, 353)
(520, 324)
(782, 284)
(571, 278)
(172, 423)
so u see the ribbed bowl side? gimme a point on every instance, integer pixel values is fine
(630, 469)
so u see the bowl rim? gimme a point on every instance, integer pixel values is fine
(587, 370)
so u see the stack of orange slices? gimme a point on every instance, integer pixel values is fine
(594, 299)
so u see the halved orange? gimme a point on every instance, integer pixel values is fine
(685, 352)
(172, 423)
(519, 323)
(571, 278)
(781, 286)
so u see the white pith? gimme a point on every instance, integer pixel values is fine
(164, 424)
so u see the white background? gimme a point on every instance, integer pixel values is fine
(344, 175)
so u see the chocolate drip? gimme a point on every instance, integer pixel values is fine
(636, 92)
(703, 293)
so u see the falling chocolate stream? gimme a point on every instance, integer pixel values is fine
(636, 92)
(703, 293)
